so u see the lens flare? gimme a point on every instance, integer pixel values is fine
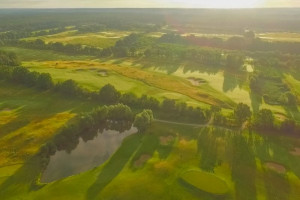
(216, 3)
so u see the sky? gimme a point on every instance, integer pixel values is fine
(147, 3)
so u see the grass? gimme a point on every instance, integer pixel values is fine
(27, 122)
(41, 55)
(280, 36)
(218, 82)
(100, 39)
(205, 181)
(294, 84)
(125, 79)
(158, 177)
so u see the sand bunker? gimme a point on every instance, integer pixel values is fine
(142, 160)
(296, 151)
(196, 81)
(275, 167)
(102, 73)
(165, 140)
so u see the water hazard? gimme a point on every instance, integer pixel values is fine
(86, 155)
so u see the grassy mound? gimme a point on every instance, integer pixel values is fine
(205, 181)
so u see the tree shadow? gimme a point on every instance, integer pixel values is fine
(233, 78)
(172, 66)
(230, 81)
(277, 186)
(293, 112)
(256, 101)
(114, 165)
(24, 179)
(243, 169)
(204, 195)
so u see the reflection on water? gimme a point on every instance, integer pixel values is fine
(85, 156)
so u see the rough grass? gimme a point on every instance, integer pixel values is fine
(205, 181)
(29, 118)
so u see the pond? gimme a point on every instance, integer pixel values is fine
(85, 156)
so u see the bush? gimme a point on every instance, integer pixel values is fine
(108, 94)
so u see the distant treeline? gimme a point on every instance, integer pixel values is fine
(246, 43)
(213, 20)
(136, 45)
(12, 36)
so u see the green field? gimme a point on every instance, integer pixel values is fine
(280, 36)
(37, 55)
(25, 115)
(100, 39)
(205, 181)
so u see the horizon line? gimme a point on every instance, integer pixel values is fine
(209, 8)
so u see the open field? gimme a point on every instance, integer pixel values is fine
(38, 55)
(100, 39)
(280, 37)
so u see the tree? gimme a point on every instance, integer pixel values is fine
(169, 105)
(120, 112)
(234, 61)
(69, 87)
(264, 119)
(44, 81)
(100, 114)
(143, 120)
(242, 113)
(129, 99)
(108, 94)
(249, 34)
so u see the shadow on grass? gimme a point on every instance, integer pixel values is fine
(204, 195)
(256, 101)
(114, 165)
(14, 125)
(277, 186)
(23, 181)
(293, 112)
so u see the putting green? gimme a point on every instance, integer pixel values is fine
(205, 181)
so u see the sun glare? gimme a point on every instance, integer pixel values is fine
(220, 3)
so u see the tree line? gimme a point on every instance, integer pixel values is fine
(8, 59)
